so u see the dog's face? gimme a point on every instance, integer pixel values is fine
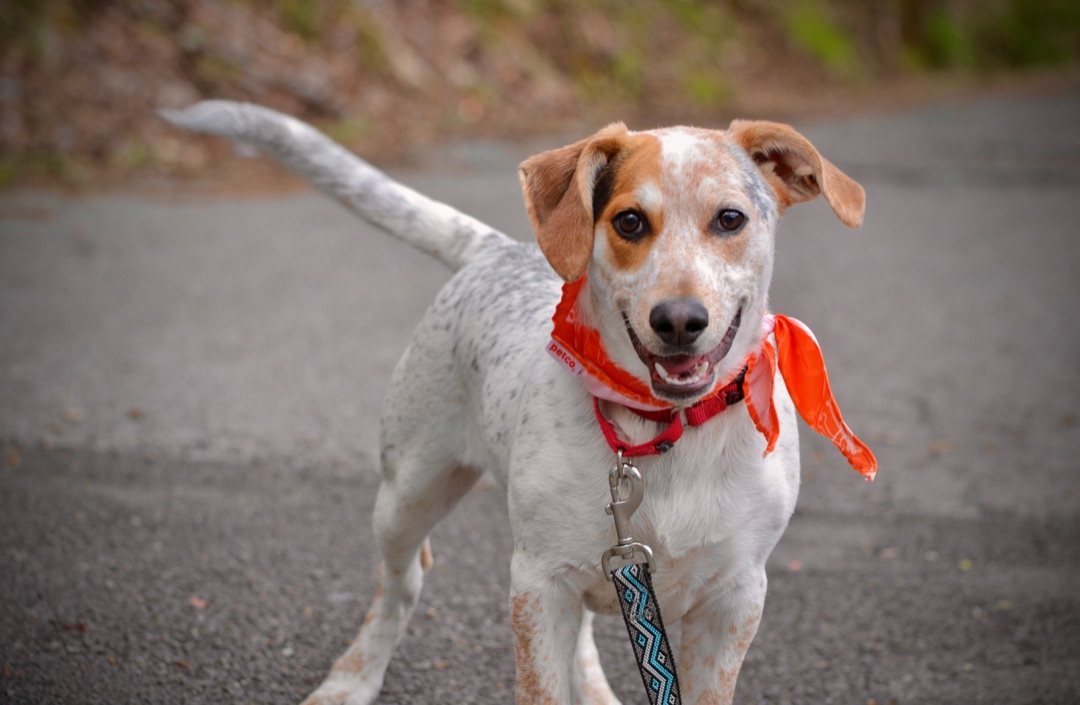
(675, 228)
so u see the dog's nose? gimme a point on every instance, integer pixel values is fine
(679, 321)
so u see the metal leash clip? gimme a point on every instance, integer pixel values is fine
(622, 507)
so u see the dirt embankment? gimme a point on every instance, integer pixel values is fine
(80, 79)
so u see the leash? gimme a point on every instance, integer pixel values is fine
(633, 581)
(633, 585)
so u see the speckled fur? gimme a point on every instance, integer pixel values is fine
(476, 392)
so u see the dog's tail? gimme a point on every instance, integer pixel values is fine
(430, 226)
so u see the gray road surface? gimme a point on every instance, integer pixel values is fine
(189, 389)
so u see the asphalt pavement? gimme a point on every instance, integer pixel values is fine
(189, 389)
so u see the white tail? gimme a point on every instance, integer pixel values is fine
(430, 226)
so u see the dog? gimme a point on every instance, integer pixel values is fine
(657, 248)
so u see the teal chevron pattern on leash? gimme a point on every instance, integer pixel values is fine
(647, 635)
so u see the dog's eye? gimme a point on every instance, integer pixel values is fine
(630, 225)
(729, 221)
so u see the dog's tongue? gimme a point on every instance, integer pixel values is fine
(679, 364)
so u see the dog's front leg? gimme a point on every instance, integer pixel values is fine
(715, 637)
(545, 616)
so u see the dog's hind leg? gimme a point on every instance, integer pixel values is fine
(590, 684)
(422, 481)
(411, 500)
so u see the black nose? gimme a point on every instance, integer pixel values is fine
(679, 321)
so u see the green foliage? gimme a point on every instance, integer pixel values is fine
(628, 72)
(1007, 34)
(488, 11)
(349, 129)
(47, 163)
(369, 41)
(1032, 33)
(215, 69)
(706, 88)
(947, 42)
(301, 17)
(693, 16)
(22, 23)
(132, 155)
(810, 28)
(9, 171)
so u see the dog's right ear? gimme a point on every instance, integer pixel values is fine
(558, 187)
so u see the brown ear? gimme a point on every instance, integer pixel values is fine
(796, 171)
(558, 187)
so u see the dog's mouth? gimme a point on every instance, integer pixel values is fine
(682, 376)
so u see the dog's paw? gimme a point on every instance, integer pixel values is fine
(343, 691)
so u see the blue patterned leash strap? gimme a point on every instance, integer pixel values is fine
(633, 585)
(645, 626)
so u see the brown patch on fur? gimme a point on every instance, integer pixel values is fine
(558, 188)
(747, 632)
(691, 643)
(796, 171)
(639, 166)
(733, 248)
(529, 688)
(426, 558)
(370, 616)
(351, 662)
(724, 693)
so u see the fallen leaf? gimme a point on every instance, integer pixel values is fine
(441, 665)
(135, 414)
(184, 664)
(8, 673)
(198, 603)
(965, 564)
(940, 446)
(794, 566)
(14, 457)
(889, 553)
(77, 627)
(111, 659)
(72, 415)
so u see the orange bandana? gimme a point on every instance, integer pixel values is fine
(795, 351)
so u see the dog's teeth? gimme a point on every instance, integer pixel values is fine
(693, 377)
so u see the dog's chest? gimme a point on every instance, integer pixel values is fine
(706, 516)
(678, 582)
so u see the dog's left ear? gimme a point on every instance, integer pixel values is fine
(558, 187)
(796, 171)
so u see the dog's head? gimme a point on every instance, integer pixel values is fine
(675, 229)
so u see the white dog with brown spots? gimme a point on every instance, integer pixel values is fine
(669, 237)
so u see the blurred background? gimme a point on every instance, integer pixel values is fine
(194, 349)
(81, 78)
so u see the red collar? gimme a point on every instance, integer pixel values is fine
(696, 415)
(788, 347)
